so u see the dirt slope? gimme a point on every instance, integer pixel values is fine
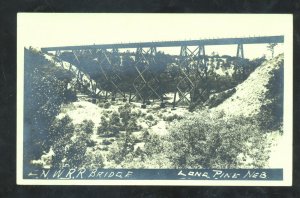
(250, 94)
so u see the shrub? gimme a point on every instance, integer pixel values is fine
(150, 117)
(94, 160)
(60, 134)
(129, 118)
(106, 142)
(70, 96)
(76, 152)
(136, 113)
(91, 143)
(132, 126)
(201, 141)
(71, 150)
(153, 155)
(87, 126)
(106, 105)
(217, 98)
(101, 105)
(115, 119)
(154, 145)
(110, 125)
(171, 117)
(125, 112)
(122, 149)
(145, 134)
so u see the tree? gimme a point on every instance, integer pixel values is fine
(271, 47)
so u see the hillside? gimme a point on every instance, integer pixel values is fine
(250, 94)
(247, 100)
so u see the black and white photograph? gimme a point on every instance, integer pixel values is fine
(154, 99)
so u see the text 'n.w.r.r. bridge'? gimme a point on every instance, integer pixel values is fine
(139, 75)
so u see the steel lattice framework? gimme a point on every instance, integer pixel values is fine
(146, 85)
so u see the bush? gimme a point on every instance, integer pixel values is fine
(106, 105)
(201, 141)
(171, 117)
(76, 152)
(125, 112)
(60, 134)
(123, 148)
(145, 134)
(129, 118)
(73, 150)
(94, 160)
(91, 143)
(110, 125)
(132, 126)
(154, 145)
(100, 104)
(106, 142)
(136, 113)
(150, 117)
(217, 98)
(87, 126)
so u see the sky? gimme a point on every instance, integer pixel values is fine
(65, 29)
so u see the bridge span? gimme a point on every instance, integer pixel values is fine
(202, 42)
(146, 83)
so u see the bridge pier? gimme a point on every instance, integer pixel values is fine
(240, 51)
(185, 86)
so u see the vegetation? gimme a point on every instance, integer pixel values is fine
(198, 141)
(45, 90)
(271, 48)
(70, 144)
(202, 141)
(271, 112)
(123, 120)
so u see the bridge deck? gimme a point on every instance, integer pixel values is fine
(218, 41)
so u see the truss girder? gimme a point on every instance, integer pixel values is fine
(192, 67)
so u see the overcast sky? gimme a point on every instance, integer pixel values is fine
(45, 30)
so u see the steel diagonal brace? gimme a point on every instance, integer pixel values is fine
(79, 77)
(183, 93)
(151, 52)
(108, 78)
(187, 56)
(142, 54)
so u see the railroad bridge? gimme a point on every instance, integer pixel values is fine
(146, 81)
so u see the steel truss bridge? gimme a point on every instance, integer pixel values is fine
(146, 83)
